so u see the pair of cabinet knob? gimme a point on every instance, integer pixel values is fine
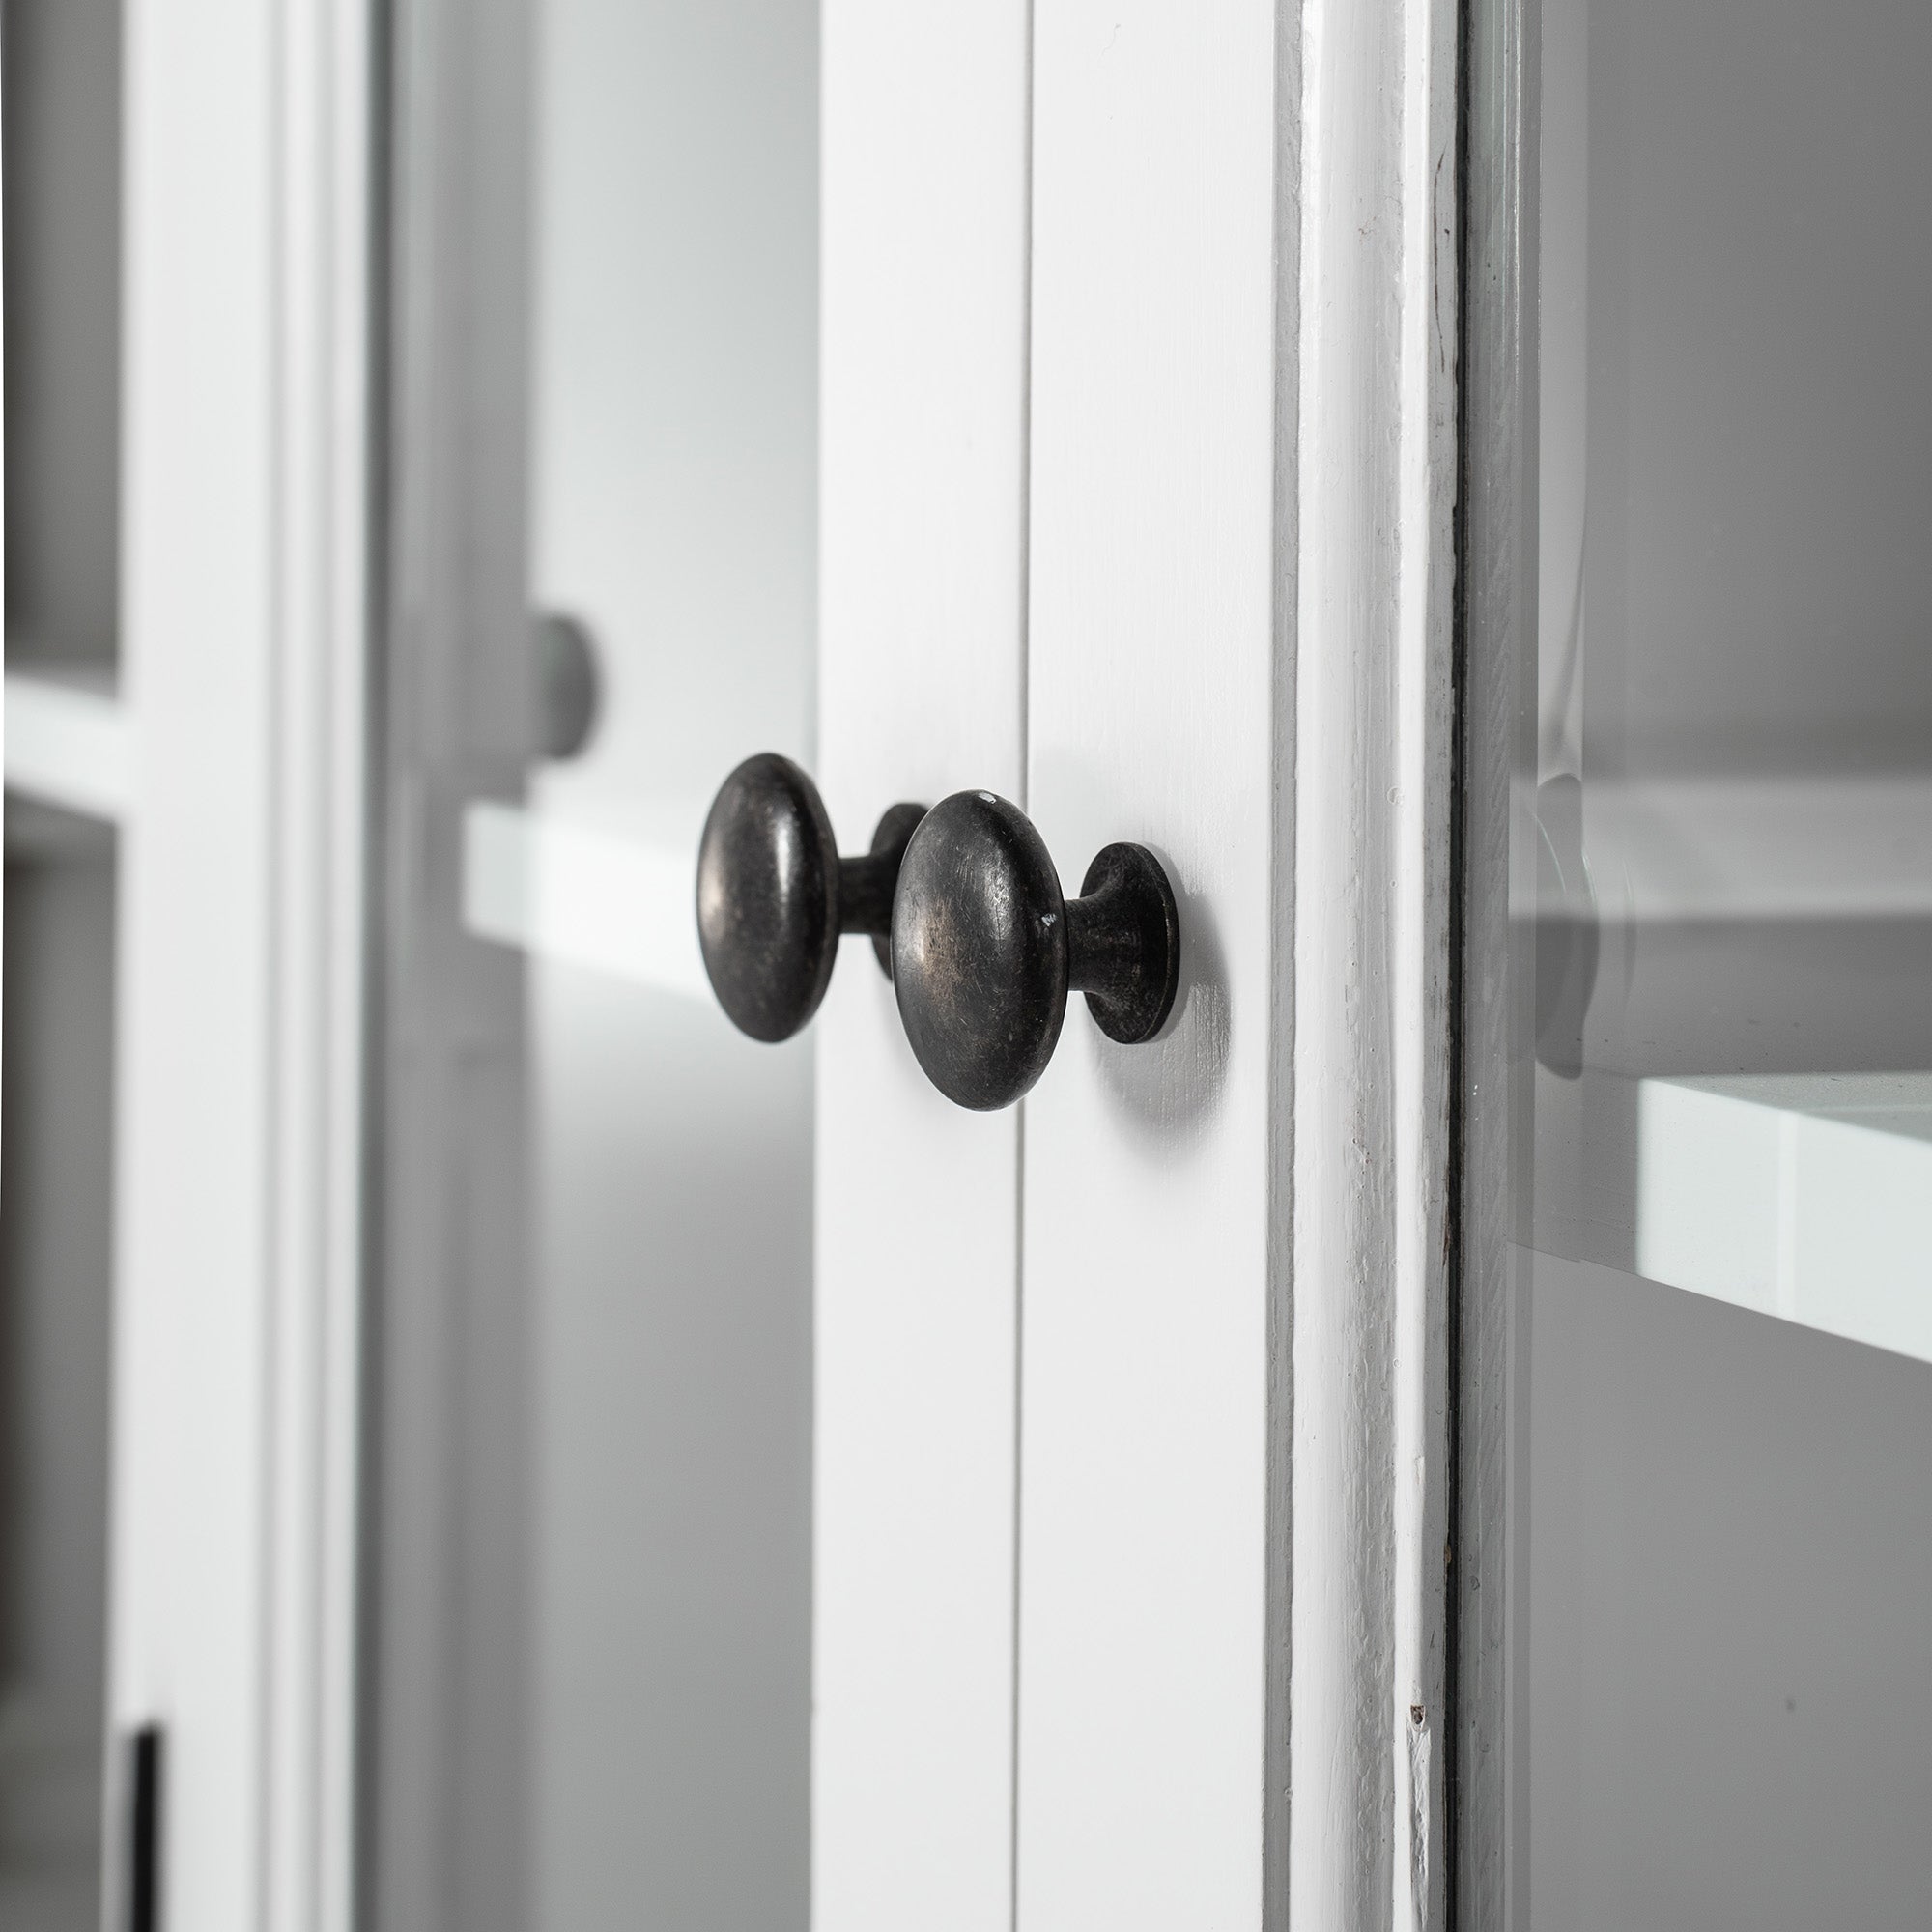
(966, 915)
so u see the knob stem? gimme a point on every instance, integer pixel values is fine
(868, 885)
(1124, 944)
(866, 889)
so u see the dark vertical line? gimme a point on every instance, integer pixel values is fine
(1025, 785)
(1450, 1729)
(144, 1829)
(1026, 433)
(1278, 1604)
(374, 1098)
(1020, 1438)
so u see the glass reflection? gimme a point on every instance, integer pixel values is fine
(1726, 814)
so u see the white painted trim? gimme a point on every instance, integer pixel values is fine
(1373, 774)
(237, 1127)
(70, 742)
(320, 728)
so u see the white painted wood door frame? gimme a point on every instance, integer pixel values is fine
(246, 156)
(1142, 321)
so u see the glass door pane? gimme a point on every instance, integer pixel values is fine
(590, 1675)
(56, 1345)
(1719, 862)
(61, 65)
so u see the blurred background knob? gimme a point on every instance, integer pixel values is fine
(985, 950)
(773, 896)
(567, 684)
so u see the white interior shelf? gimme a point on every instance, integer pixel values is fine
(622, 901)
(1808, 1196)
(69, 741)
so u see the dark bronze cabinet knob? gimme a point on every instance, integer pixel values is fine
(985, 950)
(773, 896)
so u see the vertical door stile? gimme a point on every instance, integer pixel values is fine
(196, 1012)
(1151, 1681)
(1235, 1409)
(245, 157)
(921, 655)
(318, 880)
(1375, 799)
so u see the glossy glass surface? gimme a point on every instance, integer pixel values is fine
(588, 1682)
(56, 1338)
(1720, 863)
(60, 72)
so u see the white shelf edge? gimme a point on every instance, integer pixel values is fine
(1793, 848)
(571, 892)
(1807, 1196)
(69, 742)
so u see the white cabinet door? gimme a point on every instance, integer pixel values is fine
(1196, 1437)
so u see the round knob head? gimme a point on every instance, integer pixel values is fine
(980, 949)
(768, 898)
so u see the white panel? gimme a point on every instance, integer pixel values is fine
(1149, 1215)
(920, 676)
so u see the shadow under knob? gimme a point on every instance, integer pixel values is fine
(773, 896)
(985, 950)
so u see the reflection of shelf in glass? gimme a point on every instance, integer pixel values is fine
(1802, 848)
(1808, 1196)
(622, 901)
